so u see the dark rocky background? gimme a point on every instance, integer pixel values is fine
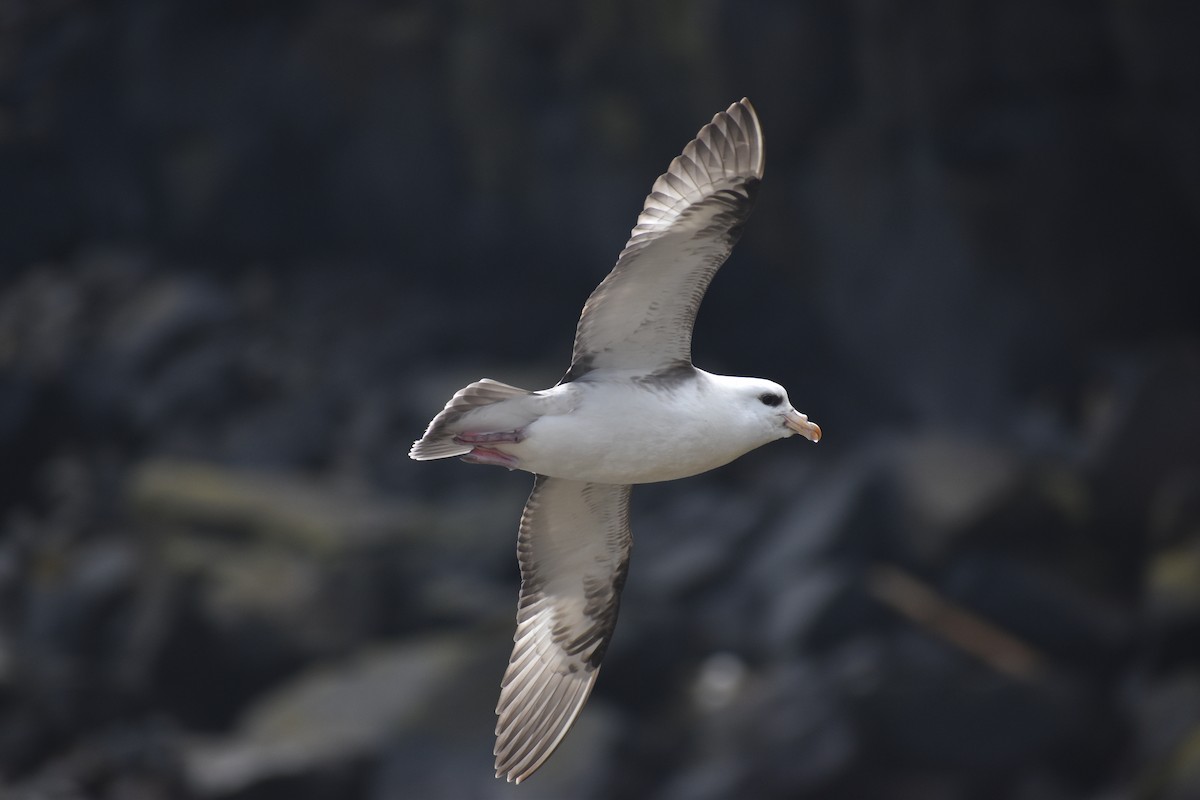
(247, 249)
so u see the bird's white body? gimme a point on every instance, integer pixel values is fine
(631, 409)
(603, 430)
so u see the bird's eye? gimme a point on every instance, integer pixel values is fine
(770, 399)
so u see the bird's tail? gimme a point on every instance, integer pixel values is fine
(438, 441)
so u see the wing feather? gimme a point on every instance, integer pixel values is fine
(573, 548)
(642, 314)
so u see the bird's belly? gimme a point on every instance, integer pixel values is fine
(626, 449)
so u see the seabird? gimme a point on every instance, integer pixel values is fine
(631, 409)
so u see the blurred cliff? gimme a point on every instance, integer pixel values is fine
(248, 249)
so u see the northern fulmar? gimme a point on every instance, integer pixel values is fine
(631, 409)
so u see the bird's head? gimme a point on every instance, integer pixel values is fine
(767, 402)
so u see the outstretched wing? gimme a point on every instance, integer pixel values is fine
(574, 552)
(641, 315)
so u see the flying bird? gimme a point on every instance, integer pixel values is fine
(631, 409)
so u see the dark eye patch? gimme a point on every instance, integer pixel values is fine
(770, 399)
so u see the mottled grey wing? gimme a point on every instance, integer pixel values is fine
(641, 315)
(574, 552)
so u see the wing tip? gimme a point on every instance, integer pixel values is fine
(753, 130)
(521, 753)
(735, 148)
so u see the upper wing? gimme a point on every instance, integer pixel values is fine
(641, 315)
(574, 552)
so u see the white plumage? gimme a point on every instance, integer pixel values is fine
(631, 409)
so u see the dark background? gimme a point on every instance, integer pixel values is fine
(248, 249)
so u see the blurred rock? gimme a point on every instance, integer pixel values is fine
(1043, 610)
(332, 714)
(1145, 441)
(775, 733)
(208, 511)
(937, 706)
(268, 506)
(1172, 606)
(151, 326)
(946, 486)
(247, 251)
(1173, 583)
(1165, 710)
(796, 585)
(450, 757)
(1182, 781)
(693, 539)
(804, 610)
(279, 569)
(41, 320)
(1175, 507)
(125, 762)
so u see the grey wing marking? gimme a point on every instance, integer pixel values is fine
(573, 549)
(641, 315)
